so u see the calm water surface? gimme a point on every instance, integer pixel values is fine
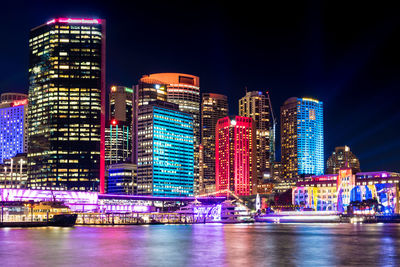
(204, 245)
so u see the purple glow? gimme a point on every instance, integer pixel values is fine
(208, 212)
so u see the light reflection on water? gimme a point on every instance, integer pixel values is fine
(243, 245)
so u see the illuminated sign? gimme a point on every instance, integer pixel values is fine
(114, 122)
(75, 20)
(212, 213)
(17, 103)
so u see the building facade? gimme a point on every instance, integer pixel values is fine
(235, 155)
(122, 179)
(256, 106)
(11, 97)
(67, 105)
(184, 90)
(117, 143)
(213, 107)
(342, 157)
(338, 192)
(13, 172)
(121, 104)
(302, 138)
(13, 128)
(165, 150)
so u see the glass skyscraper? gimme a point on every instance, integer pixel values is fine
(213, 108)
(66, 105)
(302, 137)
(165, 150)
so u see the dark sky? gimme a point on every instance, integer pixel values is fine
(343, 53)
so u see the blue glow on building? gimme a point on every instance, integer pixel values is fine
(310, 136)
(173, 162)
(12, 132)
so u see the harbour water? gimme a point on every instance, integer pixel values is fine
(242, 245)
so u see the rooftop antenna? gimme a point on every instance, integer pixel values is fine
(245, 88)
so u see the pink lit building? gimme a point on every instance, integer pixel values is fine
(235, 159)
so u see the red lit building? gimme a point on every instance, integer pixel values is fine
(235, 158)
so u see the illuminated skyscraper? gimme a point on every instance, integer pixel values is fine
(184, 90)
(235, 154)
(165, 150)
(256, 106)
(213, 108)
(117, 143)
(342, 157)
(67, 105)
(120, 107)
(13, 127)
(302, 137)
(148, 90)
(118, 133)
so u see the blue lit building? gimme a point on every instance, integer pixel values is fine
(122, 179)
(165, 150)
(13, 129)
(302, 137)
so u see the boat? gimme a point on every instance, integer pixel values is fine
(38, 215)
(300, 217)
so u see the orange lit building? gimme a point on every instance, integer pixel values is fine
(235, 155)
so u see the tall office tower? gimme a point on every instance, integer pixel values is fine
(302, 138)
(13, 128)
(165, 150)
(117, 143)
(342, 157)
(120, 104)
(118, 132)
(184, 90)
(213, 108)
(255, 105)
(235, 155)
(67, 105)
(148, 90)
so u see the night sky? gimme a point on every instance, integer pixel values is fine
(344, 54)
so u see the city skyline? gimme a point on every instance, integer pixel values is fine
(332, 66)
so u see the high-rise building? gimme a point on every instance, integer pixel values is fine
(118, 132)
(67, 105)
(213, 108)
(235, 155)
(341, 158)
(165, 150)
(120, 104)
(255, 105)
(122, 179)
(184, 90)
(302, 138)
(148, 90)
(117, 143)
(13, 127)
